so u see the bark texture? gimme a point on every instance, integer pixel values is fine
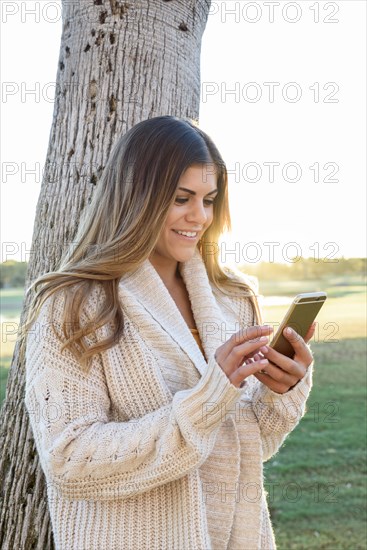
(120, 62)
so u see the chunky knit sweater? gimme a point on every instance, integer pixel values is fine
(154, 448)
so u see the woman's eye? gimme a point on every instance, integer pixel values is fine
(182, 200)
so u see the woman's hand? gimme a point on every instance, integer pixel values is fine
(243, 345)
(282, 373)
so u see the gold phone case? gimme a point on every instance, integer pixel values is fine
(300, 317)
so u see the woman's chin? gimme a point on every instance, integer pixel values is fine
(186, 254)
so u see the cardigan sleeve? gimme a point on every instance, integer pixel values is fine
(86, 455)
(278, 414)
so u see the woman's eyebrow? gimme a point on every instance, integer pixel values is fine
(193, 192)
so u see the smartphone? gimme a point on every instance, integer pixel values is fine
(300, 317)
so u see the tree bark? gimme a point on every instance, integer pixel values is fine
(120, 62)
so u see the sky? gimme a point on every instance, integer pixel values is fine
(283, 97)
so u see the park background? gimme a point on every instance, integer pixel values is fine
(298, 230)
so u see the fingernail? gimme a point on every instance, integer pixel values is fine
(264, 349)
(289, 330)
(264, 362)
(263, 339)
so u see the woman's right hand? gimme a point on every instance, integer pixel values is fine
(243, 345)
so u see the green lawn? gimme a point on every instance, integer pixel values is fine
(317, 482)
(11, 300)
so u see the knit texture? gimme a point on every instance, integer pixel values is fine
(154, 448)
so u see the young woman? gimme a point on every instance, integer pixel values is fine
(151, 393)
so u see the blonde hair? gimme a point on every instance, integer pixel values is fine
(120, 228)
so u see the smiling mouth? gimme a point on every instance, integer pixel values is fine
(188, 234)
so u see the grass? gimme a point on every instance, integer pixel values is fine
(316, 483)
(11, 300)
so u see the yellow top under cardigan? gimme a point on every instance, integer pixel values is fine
(196, 335)
(154, 448)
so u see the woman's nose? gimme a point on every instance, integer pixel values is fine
(197, 213)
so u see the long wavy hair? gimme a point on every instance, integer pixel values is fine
(119, 230)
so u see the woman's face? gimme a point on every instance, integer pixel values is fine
(191, 212)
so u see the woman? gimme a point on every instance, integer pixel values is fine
(152, 395)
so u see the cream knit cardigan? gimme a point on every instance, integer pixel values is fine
(154, 448)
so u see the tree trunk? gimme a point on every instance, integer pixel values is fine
(120, 62)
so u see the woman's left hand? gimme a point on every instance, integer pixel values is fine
(283, 373)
